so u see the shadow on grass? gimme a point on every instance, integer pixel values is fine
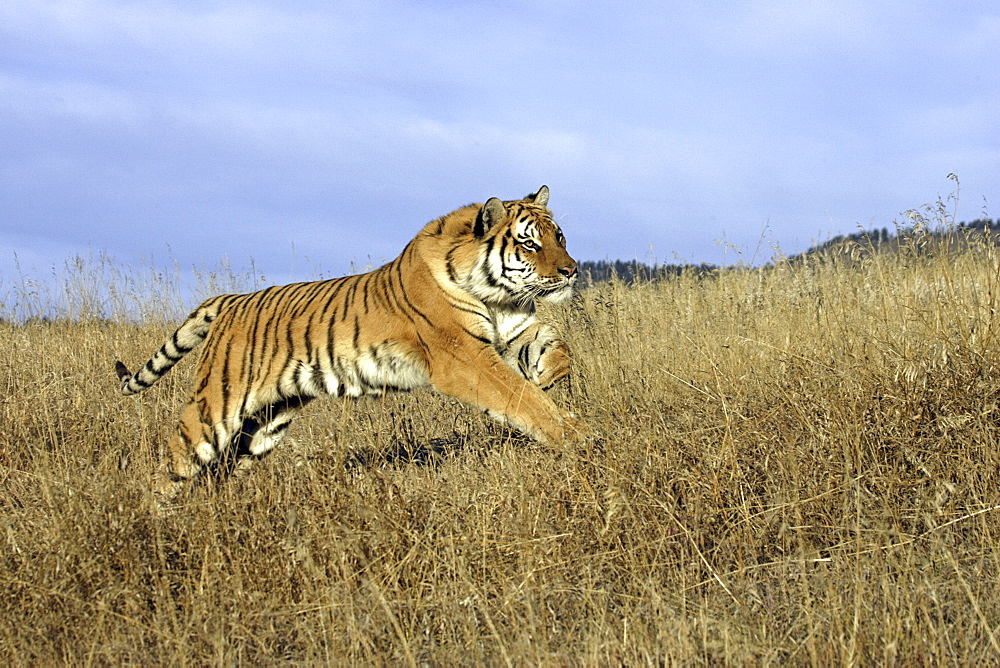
(421, 453)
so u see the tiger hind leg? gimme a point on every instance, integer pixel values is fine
(194, 446)
(264, 432)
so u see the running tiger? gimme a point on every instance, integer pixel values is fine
(455, 311)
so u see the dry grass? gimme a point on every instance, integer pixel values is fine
(796, 464)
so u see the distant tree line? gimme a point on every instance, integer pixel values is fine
(883, 239)
(633, 271)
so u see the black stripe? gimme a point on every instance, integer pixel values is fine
(395, 289)
(298, 380)
(459, 306)
(406, 298)
(251, 335)
(148, 367)
(524, 357)
(507, 269)
(477, 337)
(226, 384)
(184, 437)
(450, 265)
(349, 297)
(384, 287)
(424, 347)
(183, 350)
(309, 354)
(364, 291)
(331, 300)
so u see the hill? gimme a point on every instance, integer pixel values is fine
(880, 240)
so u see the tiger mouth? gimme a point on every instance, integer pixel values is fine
(553, 288)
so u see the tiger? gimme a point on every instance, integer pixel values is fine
(455, 311)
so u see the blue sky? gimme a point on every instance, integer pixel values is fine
(310, 136)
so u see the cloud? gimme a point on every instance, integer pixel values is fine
(784, 28)
(219, 128)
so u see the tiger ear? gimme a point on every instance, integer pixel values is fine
(492, 213)
(541, 197)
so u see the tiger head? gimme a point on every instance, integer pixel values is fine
(525, 253)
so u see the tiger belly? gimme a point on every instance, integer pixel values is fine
(372, 374)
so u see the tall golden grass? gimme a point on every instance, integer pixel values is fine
(796, 463)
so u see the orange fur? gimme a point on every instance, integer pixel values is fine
(455, 311)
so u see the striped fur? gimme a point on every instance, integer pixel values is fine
(455, 311)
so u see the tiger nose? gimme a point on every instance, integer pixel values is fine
(569, 271)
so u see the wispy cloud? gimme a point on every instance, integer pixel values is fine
(222, 129)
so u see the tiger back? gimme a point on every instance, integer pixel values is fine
(455, 311)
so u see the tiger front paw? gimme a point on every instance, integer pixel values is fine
(575, 430)
(553, 366)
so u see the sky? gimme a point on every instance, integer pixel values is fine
(311, 139)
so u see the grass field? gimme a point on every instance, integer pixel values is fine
(796, 464)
